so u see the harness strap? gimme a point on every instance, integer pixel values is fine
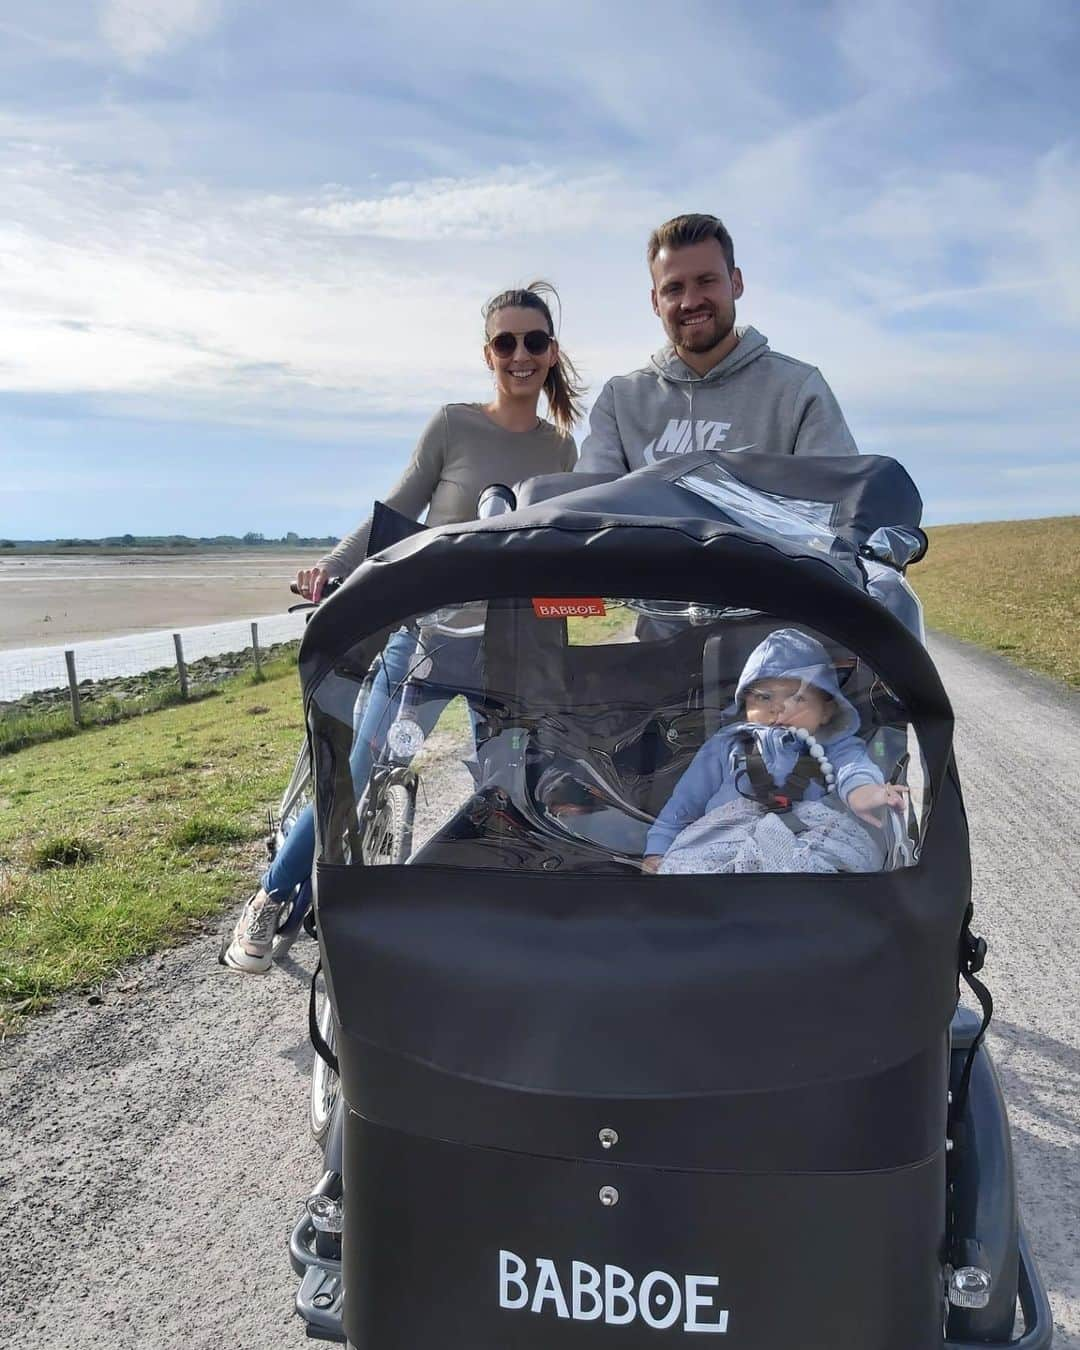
(971, 960)
(764, 790)
(961, 1249)
(805, 772)
(761, 781)
(321, 1048)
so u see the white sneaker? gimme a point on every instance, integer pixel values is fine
(250, 950)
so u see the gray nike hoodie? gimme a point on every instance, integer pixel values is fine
(753, 399)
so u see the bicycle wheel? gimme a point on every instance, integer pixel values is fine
(325, 1084)
(387, 838)
(296, 795)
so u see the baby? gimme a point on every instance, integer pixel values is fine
(764, 794)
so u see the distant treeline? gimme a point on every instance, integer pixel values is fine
(177, 541)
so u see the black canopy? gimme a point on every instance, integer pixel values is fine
(536, 982)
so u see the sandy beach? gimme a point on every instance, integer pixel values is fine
(54, 600)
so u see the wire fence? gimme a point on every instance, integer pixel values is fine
(190, 655)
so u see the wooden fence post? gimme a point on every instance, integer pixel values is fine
(181, 667)
(255, 647)
(73, 684)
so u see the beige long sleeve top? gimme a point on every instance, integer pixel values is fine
(461, 452)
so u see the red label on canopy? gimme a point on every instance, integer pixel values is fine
(586, 608)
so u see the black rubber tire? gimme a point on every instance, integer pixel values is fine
(325, 1084)
(386, 839)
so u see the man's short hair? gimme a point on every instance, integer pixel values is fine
(681, 231)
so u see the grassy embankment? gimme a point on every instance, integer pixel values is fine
(19, 729)
(1012, 586)
(119, 841)
(46, 716)
(124, 838)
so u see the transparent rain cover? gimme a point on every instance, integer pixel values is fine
(602, 735)
(800, 521)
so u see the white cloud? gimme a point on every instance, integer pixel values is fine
(921, 213)
(324, 311)
(139, 29)
(1060, 473)
(925, 291)
(528, 201)
(1016, 233)
(892, 49)
(230, 302)
(963, 296)
(1052, 220)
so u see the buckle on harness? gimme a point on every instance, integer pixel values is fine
(974, 952)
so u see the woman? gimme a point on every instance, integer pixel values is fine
(464, 448)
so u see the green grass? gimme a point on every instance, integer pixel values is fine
(123, 839)
(18, 731)
(1012, 586)
(206, 829)
(62, 850)
(617, 625)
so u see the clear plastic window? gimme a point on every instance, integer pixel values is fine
(600, 734)
(807, 523)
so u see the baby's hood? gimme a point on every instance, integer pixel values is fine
(787, 654)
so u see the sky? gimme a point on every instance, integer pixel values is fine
(244, 244)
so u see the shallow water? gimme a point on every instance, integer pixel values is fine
(118, 613)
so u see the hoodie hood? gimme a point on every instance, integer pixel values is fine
(788, 654)
(671, 367)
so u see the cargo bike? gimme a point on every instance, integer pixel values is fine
(583, 1105)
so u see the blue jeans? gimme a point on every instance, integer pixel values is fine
(371, 721)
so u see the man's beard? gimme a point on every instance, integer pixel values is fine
(707, 336)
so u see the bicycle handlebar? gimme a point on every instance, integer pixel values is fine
(335, 583)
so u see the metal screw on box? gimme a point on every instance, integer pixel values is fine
(609, 1196)
(608, 1137)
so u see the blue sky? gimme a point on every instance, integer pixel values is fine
(244, 243)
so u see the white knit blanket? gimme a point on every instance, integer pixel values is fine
(741, 836)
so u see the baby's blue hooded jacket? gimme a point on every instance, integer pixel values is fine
(709, 782)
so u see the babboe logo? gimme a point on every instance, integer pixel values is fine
(612, 1296)
(585, 608)
(681, 437)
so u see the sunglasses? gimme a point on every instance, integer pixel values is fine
(536, 342)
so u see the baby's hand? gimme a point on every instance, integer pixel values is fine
(651, 862)
(868, 799)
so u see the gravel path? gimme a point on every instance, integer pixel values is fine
(1018, 750)
(156, 1152)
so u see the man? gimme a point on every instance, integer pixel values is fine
(715, 387)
